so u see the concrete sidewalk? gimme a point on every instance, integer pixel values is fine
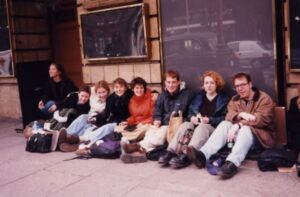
(32, 174)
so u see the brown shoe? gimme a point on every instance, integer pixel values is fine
(85, 152)
(65, 147)
(136, 157)
(130, 148)
(72, 139)
(62, 136)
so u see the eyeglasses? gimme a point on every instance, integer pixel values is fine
(242, 85)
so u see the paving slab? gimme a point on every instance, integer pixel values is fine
(32, 174)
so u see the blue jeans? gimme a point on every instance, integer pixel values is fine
(79, 126)
(46, 108)
(243, 143)
(94, 135)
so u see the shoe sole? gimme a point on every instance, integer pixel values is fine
(133, 159)
(163, 163)
(175, 166)
(191, 153)
(68, 148)
(225, 176)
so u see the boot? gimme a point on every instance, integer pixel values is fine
(62, 136)
(72, 139)
(65, 147)
(136, 157)
(130, 148)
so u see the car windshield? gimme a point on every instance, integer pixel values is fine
(262, 46)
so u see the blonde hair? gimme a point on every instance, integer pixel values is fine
(216, 77)
(102, 84)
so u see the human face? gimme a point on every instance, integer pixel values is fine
(172, 84)
(139, 90)
(83, 97)
(210, 85)
(102, 94)
(53, 72)
(119, 89)
(243, 87)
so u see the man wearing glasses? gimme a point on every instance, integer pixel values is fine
(248, 123)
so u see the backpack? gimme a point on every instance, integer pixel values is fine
(109, 148)
(273, 158)
(40, 143)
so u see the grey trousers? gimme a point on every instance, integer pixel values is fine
(200, 135)
(244, 141)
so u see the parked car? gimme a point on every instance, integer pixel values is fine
(199, 48)
(251, 53)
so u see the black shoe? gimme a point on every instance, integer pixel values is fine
(181, 161)
(228, 170)
(164, 159)
(197, 157)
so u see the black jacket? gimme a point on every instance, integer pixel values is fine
(71, 102)
(167, 103)
(57, 92)
(219, 113)
(116, 109)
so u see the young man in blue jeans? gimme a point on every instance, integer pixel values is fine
(249, 120)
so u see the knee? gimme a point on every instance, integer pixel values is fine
(225, 124)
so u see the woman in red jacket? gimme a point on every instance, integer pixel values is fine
(141, 107)
(141, 104)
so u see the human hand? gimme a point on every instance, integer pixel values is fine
(41, 104)
(194, 120)
(157, 123)
(52, 108)
(124, 123)
(205, 120)
(247, 116)
(232, 132)
(92, 119)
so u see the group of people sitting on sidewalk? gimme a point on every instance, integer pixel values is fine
(210, 119)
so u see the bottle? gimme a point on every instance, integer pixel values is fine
(35, 125)
(230, 144)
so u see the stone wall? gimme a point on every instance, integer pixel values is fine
(9, 99)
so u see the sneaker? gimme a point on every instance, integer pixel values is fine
(228, 170)
(65, 147)
(83, 152)
(136, 157)
(180, 161)
(164, 159)
(131, 148)
(197, 157)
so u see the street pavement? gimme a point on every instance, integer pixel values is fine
(25, 174)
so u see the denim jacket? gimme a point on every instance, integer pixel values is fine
(219, 113)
